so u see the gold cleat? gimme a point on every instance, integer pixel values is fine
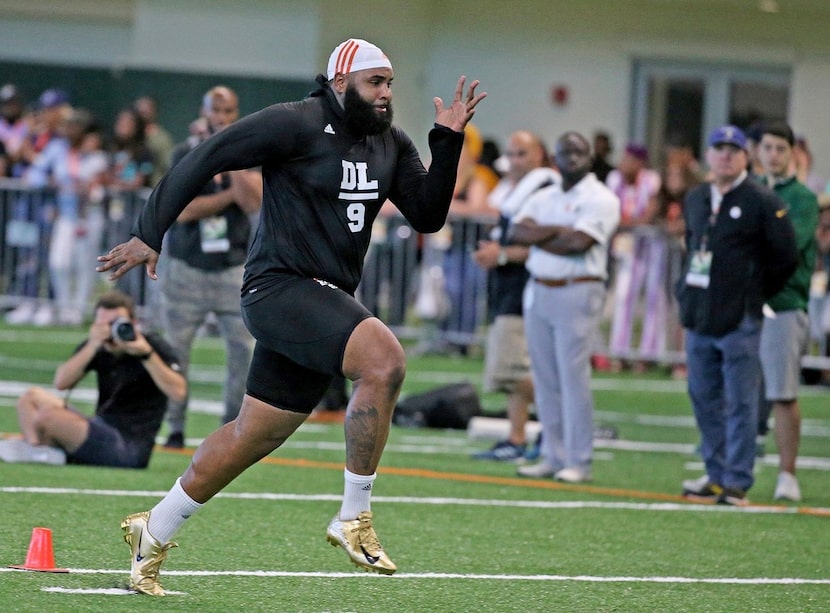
(147, 554)
(358, 538)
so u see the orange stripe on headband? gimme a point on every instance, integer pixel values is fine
(348, 57)
(351, 58)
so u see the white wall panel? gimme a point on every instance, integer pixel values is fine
(73, 43)
(518, 50)
(270, 39)
(810, 92)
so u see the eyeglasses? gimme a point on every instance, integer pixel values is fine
(515, 154)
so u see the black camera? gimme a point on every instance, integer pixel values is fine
(122, 329)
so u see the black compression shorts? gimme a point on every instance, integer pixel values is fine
(301, 327)
(106, 446)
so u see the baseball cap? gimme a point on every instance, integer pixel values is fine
(51, 98)
(353, 55)
(9, 92)
(728, 135)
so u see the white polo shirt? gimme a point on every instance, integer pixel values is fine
(589, 206)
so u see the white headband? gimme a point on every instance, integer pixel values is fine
(356, 54)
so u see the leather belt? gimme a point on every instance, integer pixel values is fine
(568, 281)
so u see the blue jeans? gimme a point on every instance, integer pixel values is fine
(724, 382)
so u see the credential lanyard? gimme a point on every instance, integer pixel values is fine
(710, 225)
(700, 264)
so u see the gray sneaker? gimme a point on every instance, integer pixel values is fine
(503, 451)
(14, 450)
(540, 470)
(573, 474)
(695, 486)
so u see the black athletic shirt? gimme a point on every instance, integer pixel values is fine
(185, 238)
(323, 188)
(128, 398)
(507, 281)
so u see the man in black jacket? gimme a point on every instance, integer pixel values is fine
(740, 251)
(328, 164)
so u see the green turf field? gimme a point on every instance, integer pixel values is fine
(466, 535)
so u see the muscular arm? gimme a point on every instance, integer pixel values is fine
(488, 252)
(425, 202)
(424, 196)
(245, 191)
(246, 187)
(246, 143)
(170, 382)
(73, 370)
(206, 206)
(559, 240)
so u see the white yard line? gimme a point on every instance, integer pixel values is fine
(434, 576)
(439, 501)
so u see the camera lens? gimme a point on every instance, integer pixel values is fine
(123, 329)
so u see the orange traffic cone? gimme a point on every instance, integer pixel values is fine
(40, 556)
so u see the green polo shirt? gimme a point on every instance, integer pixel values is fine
(802, 206)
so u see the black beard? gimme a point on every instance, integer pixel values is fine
(361, 117)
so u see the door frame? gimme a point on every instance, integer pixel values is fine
(716, 77)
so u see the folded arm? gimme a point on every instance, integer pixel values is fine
(560, 240)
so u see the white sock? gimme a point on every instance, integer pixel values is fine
(357, 494)
(170, 513)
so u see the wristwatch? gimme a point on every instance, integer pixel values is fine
(502, 259)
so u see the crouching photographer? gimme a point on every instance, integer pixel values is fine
(136, 374)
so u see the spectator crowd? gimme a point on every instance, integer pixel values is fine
(624, 247)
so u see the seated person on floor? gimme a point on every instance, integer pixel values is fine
(136, 376)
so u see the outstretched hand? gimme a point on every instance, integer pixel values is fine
(126, 256)
(460, 111)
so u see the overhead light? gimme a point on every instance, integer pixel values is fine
(768, 6)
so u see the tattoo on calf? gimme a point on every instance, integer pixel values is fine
(362, 425)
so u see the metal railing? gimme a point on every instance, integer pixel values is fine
(27, 219)
(427, 288)
(391, 281)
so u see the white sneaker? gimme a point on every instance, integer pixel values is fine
(541, 470)
(17, 450)
(70, 317)
(695, 486)
(787, 487)
(573, 475)
(43, 316)
(21, 315)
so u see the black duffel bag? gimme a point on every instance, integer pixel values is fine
(450, 406)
